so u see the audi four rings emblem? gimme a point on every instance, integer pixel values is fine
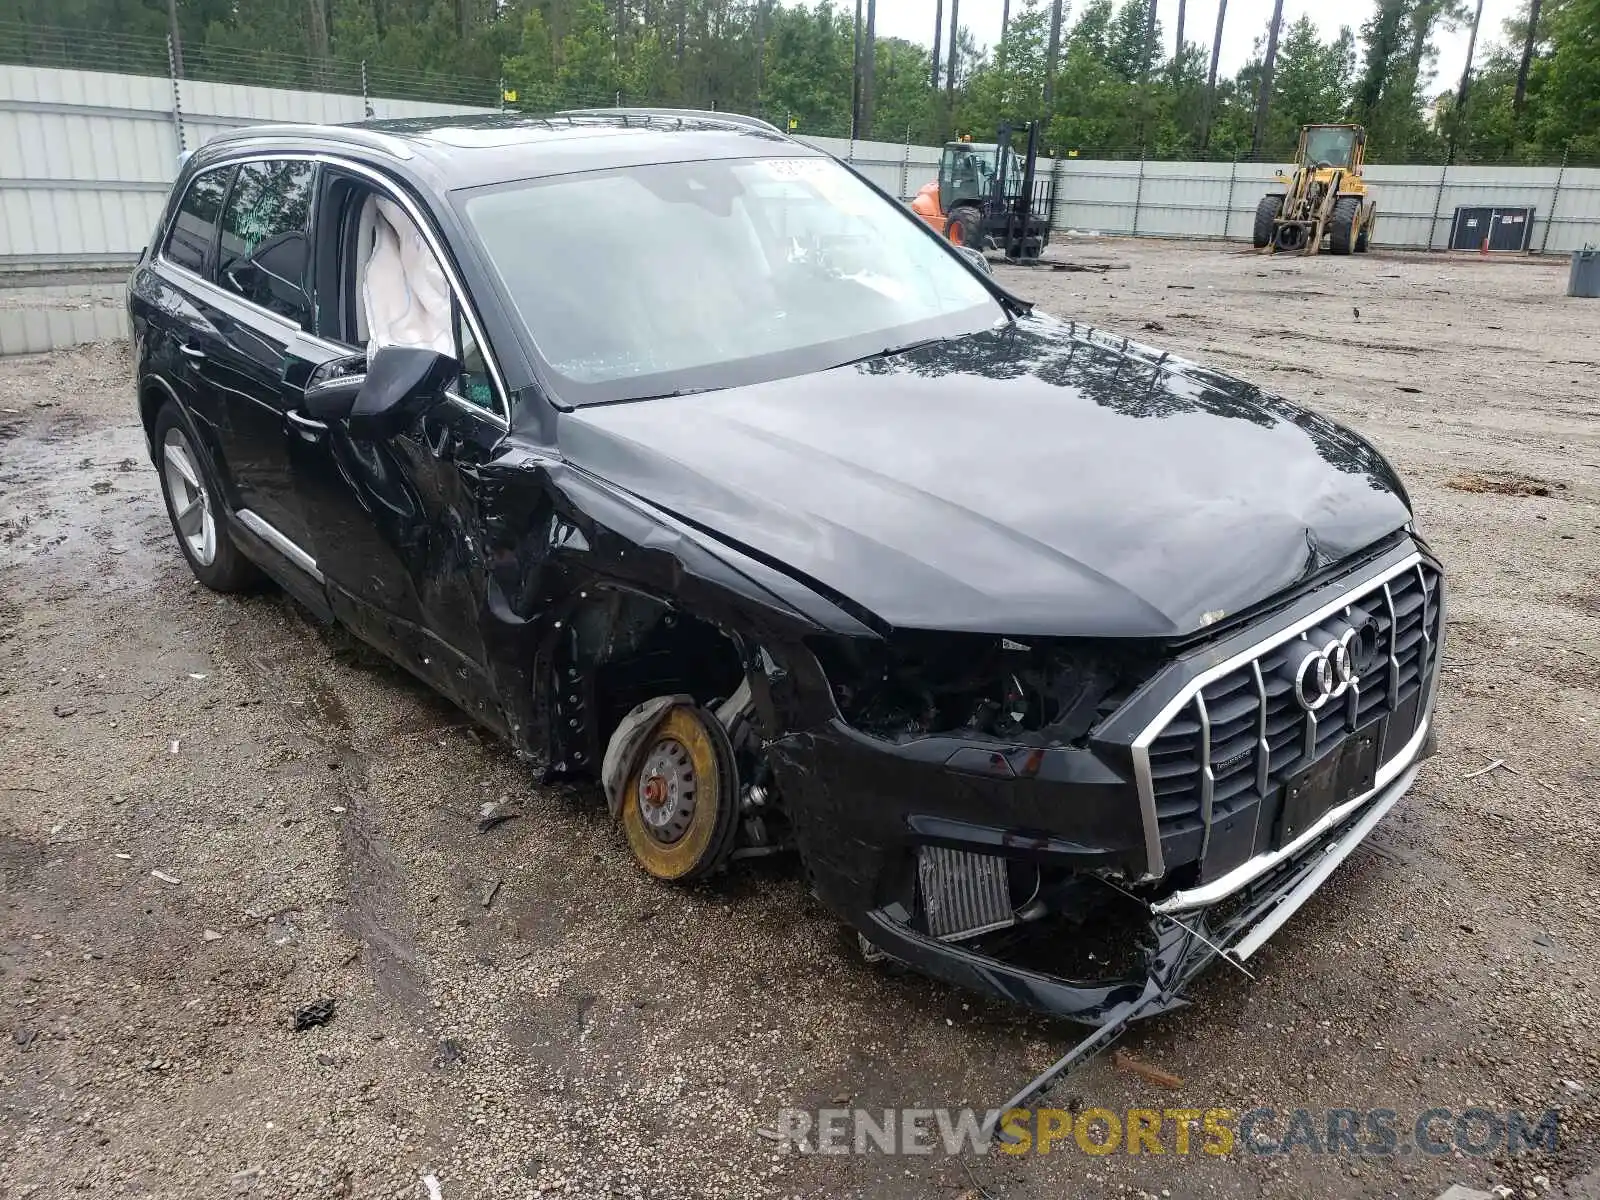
(1326, 674)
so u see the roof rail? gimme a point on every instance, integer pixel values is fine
(696, 114)
(372, 139)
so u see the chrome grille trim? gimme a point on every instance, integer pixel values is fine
(1401, 766)
(1394, 661)
(1427, 639)
(1349, 594)
(1208, 778)
(1263, 747)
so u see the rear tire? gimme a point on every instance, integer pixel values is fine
(195, 507)
(1342, 225)
(1267, 210)
(965, 228)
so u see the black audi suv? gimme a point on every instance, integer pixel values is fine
(693, 465)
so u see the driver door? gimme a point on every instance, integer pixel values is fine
(394, 520)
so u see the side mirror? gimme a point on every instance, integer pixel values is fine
(331, 394)
(400, 383)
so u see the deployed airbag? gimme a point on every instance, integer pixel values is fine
(404, 294)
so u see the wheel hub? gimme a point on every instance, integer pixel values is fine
(667, 790)
(191, 503)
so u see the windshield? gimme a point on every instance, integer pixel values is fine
(645, 281)
(1331, 146)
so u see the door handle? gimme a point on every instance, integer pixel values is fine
(307, 427)
(189, 351)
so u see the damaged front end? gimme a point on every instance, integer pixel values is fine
(1081, 828)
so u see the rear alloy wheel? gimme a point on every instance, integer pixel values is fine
(680, 808)
(1267, 210)
(194, 509)
(965, 228)
(1342, 224)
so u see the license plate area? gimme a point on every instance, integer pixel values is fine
(1343, 773)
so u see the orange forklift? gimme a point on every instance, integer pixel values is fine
(988, 197)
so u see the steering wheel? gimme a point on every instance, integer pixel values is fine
(1322, 165)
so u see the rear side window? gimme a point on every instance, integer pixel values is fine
(195, 227)
(265, 247)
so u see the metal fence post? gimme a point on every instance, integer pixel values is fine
(1227, 209)
(366, 97)
(177, 94)
(1555, 199)
(905, 165)
(1438, 201)
(850, 154)
(1055, 189)
(1138, 195)
(502, 93)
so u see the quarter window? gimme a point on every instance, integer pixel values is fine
(194, 229)
(265, 249)
(475, 385)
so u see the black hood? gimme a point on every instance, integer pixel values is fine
(1044, 479)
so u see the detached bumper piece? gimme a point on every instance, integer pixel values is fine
(1190, 944)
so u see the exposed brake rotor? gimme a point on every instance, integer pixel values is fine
(680, 805)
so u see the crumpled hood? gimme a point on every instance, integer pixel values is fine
(1045, 479)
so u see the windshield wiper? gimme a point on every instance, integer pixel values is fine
(672, 395)
(891, 351)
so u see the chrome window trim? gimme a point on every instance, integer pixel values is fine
(290, 326)
(1155, 860)
(500, 415)
(271, 535)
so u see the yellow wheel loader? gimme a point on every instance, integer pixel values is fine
(1325, 199)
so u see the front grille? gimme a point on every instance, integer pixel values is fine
(1243, 734)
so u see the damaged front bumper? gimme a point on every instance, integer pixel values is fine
(1040, 877)
(1185, 933)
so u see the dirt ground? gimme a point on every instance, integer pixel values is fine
(314, 819)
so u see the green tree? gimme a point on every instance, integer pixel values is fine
(1569, 97)
(1311, 84)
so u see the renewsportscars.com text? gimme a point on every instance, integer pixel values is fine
(1216, 1132)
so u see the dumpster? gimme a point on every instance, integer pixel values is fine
(1585, 277)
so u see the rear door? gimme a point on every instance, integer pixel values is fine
(259, 305)
(166, 298)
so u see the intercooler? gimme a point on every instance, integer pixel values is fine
(963, 894)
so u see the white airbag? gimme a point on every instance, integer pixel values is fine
(404, 294)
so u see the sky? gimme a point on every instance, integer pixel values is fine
(1246, 21)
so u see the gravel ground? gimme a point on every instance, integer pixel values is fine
(589, 1033)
